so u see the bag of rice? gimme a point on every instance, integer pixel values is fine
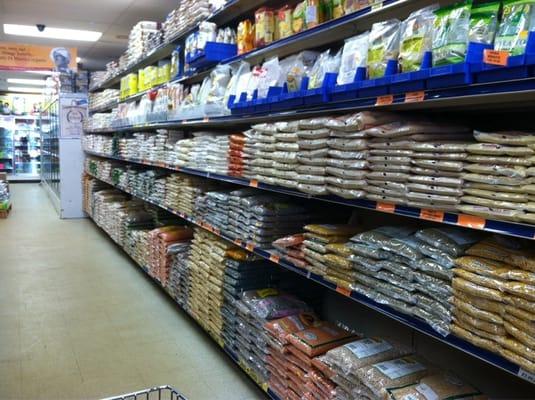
(317, 340)
(438, 387)
(508, 137)
(499, 150)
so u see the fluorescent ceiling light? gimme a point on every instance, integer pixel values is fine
(33, 82)
(24, 89)
(78, 60)
(52, 33)
(40, 72)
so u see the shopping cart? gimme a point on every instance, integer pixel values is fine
(155, 393)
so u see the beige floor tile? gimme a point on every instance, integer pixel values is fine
(79, 320)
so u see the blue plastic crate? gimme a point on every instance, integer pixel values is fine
(412, 81)
(378, 86)
(213, 53)
(349, 91)
(450, 75)
(319, 95)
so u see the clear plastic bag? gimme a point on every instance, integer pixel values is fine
(454, 166)
(387, 176)
(347, 144)
(383, 45)
(432, 198)
(346, 193)
(439, 386)
(477, 290)
(326, 63)
(499, 150)
(497, 196)
(351, 174)
(318, 162)
(510, 171)
(481, 303)
(436, 190)
(517, 19)
(316, 190)
(360, 121)
(467, 321)
(354, 55)
(474, 312)
(311, 179)
(347, 163)
(416, 38)
(313, 134)
(430, 267)
(450, 33)
(313, 144)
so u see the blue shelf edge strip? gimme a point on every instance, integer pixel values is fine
(272, 395)
(421, 326)
(502, 227)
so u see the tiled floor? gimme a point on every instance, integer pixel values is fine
(78, 320)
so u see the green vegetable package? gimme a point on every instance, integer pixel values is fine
(517, 21)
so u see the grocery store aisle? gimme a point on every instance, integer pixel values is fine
(79, 320)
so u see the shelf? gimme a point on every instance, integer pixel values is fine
(462, 220)
(262, 385)
(104, 108)
(225, 15)
(517, 94)
(421, 326)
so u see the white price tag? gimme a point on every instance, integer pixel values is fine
(526, 375)
(427, 392)
(368, 347)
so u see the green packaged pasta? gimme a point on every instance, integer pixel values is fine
(383, 45)
(483, 23)
(517, 21)
(416, 38)
(450, 33)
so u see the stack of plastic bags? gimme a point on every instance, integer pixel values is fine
(137, 245)
(213, 207)
(160, 242)
(499, 176)
(209, 152)
(327, 261)
(181, 152)
(207, 265)
(254, 309)
(179, 275)
(236, 155)
(263, 143)
(243, 272)
(494, 298)
(291, 248)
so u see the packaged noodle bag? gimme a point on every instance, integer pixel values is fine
(517, 21)
(450, 33)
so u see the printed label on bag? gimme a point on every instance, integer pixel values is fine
(432, 215)
(395, 369)
(368, 347)
(384, 100)
(526, 375)
(495, 57)
(427, 392)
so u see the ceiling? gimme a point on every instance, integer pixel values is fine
(114, 18)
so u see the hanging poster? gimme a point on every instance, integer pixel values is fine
(23, 57)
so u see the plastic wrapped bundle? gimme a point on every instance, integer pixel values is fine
(497, 169)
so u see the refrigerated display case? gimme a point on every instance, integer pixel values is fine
(26, 148)
(6, 143)
(61, 152)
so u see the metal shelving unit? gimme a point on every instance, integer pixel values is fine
(419, 325)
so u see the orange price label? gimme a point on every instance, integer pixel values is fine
(495, 57)
(385, 207)
(205, 119)
(471, 221)
(253, 183)
(414, 97)
(249, 246)
(216, 231)
(275, 258)
(432, 215)
(237, 242)
(344, 291)
(384, 100)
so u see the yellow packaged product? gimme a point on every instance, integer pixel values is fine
(488, 344)
(340, 249)
(468, 321)
(313, 13)
(521, 276)
(332, 230)
(298, 17)
(283, 22)
(485, 281)
(520, 303)
(520, 335)
(245, 36)
(478, 313)
(264, 26)
(439, 386)
(335, 261)
(477, 290)
(521, 314)
(327, 239)
(518, 348)
(490, 249)
(338, 8)
(528, 327)
(483, 266)
(521, 289)
(517, 359)
(483, 304)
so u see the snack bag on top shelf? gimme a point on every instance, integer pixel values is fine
(283, 22)
(265, 26)
(245, 36)
(483, 23)
(314, 13)
(354, 55)
(383, 45)
(517, 21)
(450, 33)
(298, 17)
(416, 38)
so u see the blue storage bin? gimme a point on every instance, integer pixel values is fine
(412, 81)
(518, 67)
(213, 53)
(349, 91)
(449, 75)
(241, 105)
(319, 95)
(379, 86)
